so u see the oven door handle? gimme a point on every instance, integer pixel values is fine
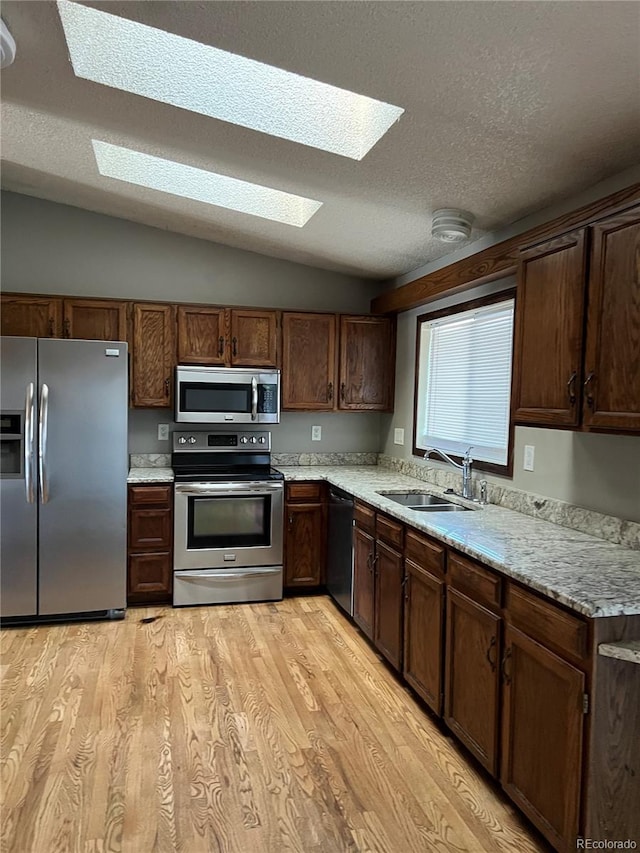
(214, 574)
(227, 488)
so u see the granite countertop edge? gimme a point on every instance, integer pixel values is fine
(562, 564)
(150, 475)
(628, 650)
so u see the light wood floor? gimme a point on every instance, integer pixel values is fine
(264, 728)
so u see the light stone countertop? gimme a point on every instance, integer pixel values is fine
(150, 475)
(587, 574)
(625, 650)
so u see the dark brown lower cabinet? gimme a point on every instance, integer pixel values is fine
(305, 537)
(472, 683)
(363, 580)
(388, 608)
(423, 634)
(542, 734)
(150, 544)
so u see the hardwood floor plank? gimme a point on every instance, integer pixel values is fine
(257, 728)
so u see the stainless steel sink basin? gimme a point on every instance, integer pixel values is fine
(412, 499)
(423, 502)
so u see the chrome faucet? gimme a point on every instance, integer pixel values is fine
(467, 461)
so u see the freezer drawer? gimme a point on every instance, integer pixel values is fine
(221, 586)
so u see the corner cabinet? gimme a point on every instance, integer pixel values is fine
(367, 363)
(153, 355)
(564, 378)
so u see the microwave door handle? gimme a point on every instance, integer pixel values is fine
(254, 398)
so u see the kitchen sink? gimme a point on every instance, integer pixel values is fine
(423, 502)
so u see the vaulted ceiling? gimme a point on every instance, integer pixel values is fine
(508, 107)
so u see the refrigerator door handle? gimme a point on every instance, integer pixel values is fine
(28, 443)
(43, 423)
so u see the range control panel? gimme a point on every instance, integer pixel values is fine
(221, 442)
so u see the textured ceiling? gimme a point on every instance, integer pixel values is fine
(509, 107)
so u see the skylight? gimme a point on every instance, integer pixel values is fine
(156, 64)
(167, 176)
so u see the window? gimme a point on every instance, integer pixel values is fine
(464, 381)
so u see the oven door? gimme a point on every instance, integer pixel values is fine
(227, 525)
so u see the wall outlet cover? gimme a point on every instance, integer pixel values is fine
(529, 453)
(398, 436)
(316, 433)
(163, 432)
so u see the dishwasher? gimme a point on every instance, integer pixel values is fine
(340, 550)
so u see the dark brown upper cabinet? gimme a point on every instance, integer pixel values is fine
(31, 316)
(367, 363)
(611, 397)
(95, 319)
(308, 361)
(227, 337)
(154, 355)
(548, 334)
(590, 279)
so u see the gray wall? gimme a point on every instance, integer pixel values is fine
(600, 472)
(54, 248)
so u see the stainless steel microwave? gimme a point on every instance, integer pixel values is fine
(221, 395)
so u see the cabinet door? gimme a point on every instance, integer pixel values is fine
(150, 529)
(389, 603)
(31, 316)
(611, 398)
(363, 580)
(305, 545)
(254, 338)
(95, 320)
(548, 336)
(149, 577)
(367, 363)
(542, 731)
(154, 355)
(308, 361)
(472, 682)
(202, 335)
(423, 634)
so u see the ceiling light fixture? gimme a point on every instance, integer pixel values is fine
(451, 226)
(167, 176)
(146, 61)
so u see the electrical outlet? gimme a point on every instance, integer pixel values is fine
(163, 432)
(316, 433)
(529, 451)
(398, 436)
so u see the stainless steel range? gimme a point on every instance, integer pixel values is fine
(229, 507)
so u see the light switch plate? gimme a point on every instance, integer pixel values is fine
(529, 452)
(316, 433)
(398, 436)
(163, 432)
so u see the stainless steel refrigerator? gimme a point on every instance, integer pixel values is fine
(63, 477)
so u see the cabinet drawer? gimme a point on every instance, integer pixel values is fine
(149, 529)
(140, 495)
(480, 583)
(365, 518)
(305, 492)
(389, 531)
(548, 624)
(424, 552)
(150, 575)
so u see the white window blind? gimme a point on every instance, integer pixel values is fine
(465, 382)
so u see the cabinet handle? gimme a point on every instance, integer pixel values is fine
(234, 341)
(51, 330)
(290, 522)
(66, 329)
(342, 391)
(571, 388)
(167, 386)
(587, 383)
(491, 660)
(506, 676)
(373, 564)
(220, 346)
(369, 558)
(330, 391)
